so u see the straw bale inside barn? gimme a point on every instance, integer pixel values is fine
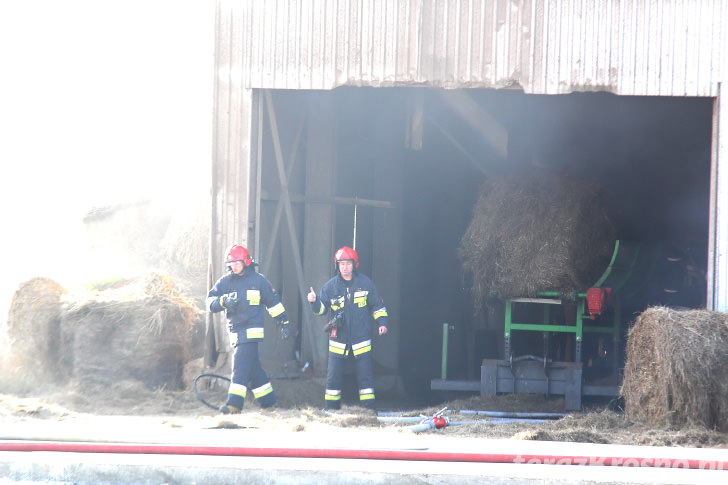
(405, 169)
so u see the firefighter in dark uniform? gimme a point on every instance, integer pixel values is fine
(244, 293)
(353, 303)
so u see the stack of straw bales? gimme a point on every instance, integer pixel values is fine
(676, 372)
(537, 232)
(138, 329)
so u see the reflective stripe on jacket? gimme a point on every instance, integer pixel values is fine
(360, 305)
(255, 296)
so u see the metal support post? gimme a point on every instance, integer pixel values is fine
(445, 331)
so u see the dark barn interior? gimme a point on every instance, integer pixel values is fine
(434, 148)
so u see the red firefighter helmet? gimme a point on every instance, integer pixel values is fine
(346, 253)
(238, 253)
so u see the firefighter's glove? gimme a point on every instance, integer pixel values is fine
(285, 329)
(228, 302)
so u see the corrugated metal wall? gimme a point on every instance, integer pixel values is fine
(631, 47)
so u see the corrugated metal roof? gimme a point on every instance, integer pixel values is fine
(632, 47)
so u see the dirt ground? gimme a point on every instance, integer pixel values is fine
(299, 408)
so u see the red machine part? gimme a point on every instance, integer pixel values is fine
(598, 300)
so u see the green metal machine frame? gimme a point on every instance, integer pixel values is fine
(628, 269)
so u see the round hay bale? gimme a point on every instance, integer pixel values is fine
(677, 363)
(537, 232)
(34, 330)
(140, 331)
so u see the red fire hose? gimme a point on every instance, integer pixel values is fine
(370, 454)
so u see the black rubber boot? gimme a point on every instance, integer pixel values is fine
(229, 409)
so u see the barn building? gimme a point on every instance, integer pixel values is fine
(373, 123)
